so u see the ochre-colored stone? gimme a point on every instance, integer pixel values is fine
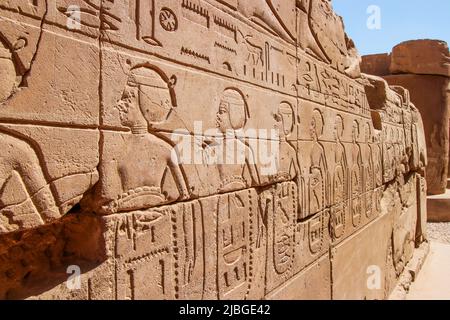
(421, 57)
(200, 149)
(423, 67)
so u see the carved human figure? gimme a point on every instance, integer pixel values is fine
(136, 177)
(341, 164)
(368, 161)
(26, 199)
(340, 180)
(396, 149)
(356, 175)
(368, 169)
(388, 155)
(377, 160)
(288, 164)
(318, 193)
(238, 170)
(8, 77)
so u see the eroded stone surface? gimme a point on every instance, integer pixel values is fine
(421, 57)
(210, 149)
(422, 67)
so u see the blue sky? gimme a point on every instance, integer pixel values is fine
(401, 20)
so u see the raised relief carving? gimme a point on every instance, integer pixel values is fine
(9, 79)
(368, 169)
(377, 156)
(312, 239)
(321, 34)
(340, 182)
(356, 176)
(146, 102)
(225, 226)
(238, 170)
(255, 53)
(264, 13)
(318, 172)
(287, 163)
(26, 199)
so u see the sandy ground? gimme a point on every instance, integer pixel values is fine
(439, 232)
(433, 282)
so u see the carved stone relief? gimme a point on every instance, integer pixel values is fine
(225, 149)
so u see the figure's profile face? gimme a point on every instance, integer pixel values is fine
(127, 107)
(355, 132)
(368, 135)
(7, 72)
(287, 119)
(338, 129)
(223, 117)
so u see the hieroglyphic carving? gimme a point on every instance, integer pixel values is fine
(280, 207)
(312, 239)
(194, 11)
(329, 87)
(194, 54)
(233, 253)
(143, 256)
(168, 20)
(188, 254)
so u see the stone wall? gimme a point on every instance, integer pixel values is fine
(200, 149)
(423, 67)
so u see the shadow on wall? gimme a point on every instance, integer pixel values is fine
(34, 261)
